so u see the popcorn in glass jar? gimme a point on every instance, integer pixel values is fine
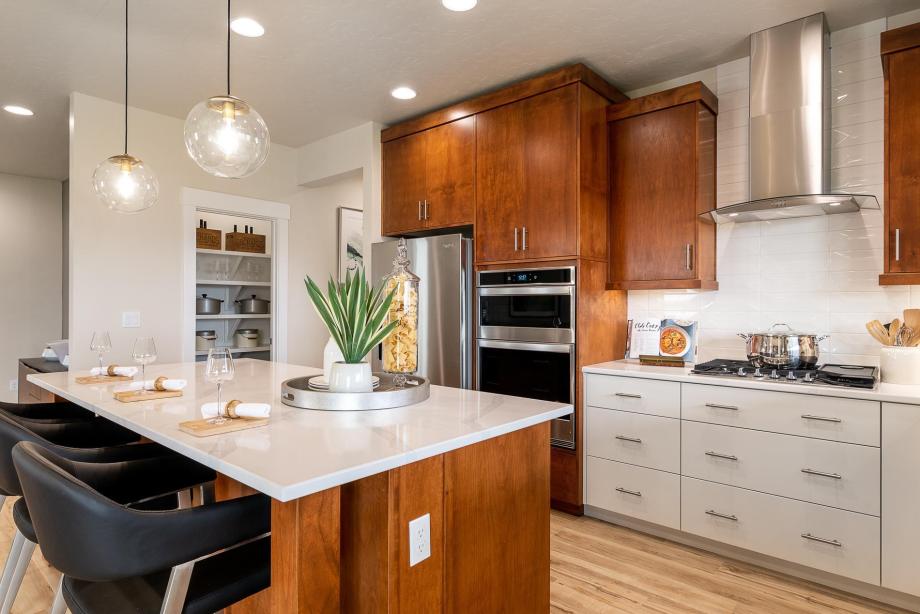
(400, 348)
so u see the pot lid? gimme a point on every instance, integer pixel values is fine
(209, 298)
(205, 333)
(781, 329)
(247, 331)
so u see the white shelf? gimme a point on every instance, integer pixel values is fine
(222, 252)
(244, 284)
(261, 348)
(237, 316)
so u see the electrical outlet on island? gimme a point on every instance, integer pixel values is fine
(419, 539)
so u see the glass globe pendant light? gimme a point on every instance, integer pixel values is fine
(124, 183)
(224, 135)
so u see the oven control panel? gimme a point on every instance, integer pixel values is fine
(527, 277)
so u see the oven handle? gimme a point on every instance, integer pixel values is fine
(527, 291)
(558, 348)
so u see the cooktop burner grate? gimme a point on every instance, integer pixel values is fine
(850, 376)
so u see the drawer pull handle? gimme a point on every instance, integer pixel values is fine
(717, 406)
(731, 517)
(821, 418)
(625, 491)
(823, 474)
(823, 540)
(627, 395)
(629, 439)
(730, 457)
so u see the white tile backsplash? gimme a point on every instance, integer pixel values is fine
(817, 274)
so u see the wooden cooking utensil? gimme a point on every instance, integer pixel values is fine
(878, 332)
(893, 329)
(912, 319)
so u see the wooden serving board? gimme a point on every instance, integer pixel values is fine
(202, 428)
(131, 396)
(102, 379)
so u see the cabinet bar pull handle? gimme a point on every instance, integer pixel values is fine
(689, 257)
(515, 238)
(717, 406)
(426, 209)
(823, 474)
(897, 243)
(420, 211)
(627, 395)
(821, 418)
(630, 439)
(823, 540)
(731, 517)
(625, 491)
(524, 238)
(730, 457)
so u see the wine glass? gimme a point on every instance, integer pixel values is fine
(145, 352)
(101, 344)
(219, 370)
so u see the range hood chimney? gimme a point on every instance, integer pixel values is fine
(790, 127)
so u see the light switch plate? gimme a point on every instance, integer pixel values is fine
(14, 385)
(130, 319)
(419, 539)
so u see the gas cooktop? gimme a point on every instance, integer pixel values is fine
(848, 376)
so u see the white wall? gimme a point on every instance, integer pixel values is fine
(313, 251)
(817, 274)
(30, 270)
(134, 262)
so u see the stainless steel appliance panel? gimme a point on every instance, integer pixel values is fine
(444, 264)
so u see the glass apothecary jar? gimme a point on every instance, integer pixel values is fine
(400, 348)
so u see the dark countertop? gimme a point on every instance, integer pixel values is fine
(43, 366)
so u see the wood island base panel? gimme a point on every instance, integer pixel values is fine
(346, 549)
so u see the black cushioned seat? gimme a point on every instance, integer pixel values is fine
(61, 411)
(23, 521)
(216, 583)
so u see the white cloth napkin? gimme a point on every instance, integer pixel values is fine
(243, 410)
(169, 384)
(123, 371)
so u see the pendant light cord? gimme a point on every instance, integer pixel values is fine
(228, 47)
(126, 77)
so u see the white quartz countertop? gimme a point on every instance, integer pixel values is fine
(891, 393)
(302, 451)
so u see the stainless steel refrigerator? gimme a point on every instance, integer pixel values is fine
(445, 266)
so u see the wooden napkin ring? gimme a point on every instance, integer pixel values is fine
(111, 371)
(231, 409)
(158, 384)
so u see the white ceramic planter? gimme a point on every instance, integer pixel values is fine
(900, 365)
(346, 377)
(331, 355)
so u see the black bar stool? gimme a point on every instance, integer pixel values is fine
(118, 559)
(86, 440)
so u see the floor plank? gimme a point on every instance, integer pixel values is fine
(598, 568)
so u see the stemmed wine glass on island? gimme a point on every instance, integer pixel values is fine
(145, 353)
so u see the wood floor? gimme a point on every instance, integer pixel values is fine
(598, 568)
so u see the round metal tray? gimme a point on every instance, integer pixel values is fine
(297, 393)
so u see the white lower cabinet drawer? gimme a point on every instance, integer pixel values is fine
(644, 396)
(647, 494)
(836, 541)
(638, 439)
(826, 472)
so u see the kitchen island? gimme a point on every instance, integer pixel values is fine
(345, 486)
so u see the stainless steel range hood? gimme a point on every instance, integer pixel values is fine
(789, 128)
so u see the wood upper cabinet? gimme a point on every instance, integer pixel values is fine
(662, 177)
(428, 179)
(901, 64)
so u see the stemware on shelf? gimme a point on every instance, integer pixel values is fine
(145, 353)
(101, 344)
(218, 370)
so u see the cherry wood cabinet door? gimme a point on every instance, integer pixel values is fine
(903, 159)
(500, 146)
(450, 173)
(403, 184)
(550, 174)
(653, 195)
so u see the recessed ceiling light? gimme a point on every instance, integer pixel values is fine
(403, 93)
(17, 110)
(459, 5)
(244, 26)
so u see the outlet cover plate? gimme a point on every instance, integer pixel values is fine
(14, 385)
(419, 539)
(131, 319)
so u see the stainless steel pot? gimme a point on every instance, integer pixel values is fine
(782, 348)
(206, 306)
(205, 340)
(252, 305)
(247, 337)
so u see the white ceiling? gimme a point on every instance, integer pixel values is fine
(327, 65)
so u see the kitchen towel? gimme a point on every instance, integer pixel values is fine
(160, 383)
(114, 370)
(237, 410)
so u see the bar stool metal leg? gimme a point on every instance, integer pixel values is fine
(11, 560)
(25, 557)
(59, 606)
(177, 589)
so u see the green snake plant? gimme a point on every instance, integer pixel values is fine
(354, 313)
